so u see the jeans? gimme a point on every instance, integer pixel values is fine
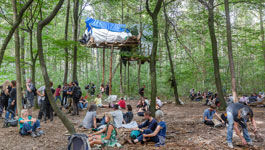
(42, 109)
(229, 136)
(64, 100)
(27, 128)
(82, 106)
(60, 98)
(30, 102)
(10, 109)
(148, 131)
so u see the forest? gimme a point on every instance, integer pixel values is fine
(186, 53)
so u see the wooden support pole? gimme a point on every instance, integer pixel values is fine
(128, 78)
(110, 70)
(103, 67)
(121, 85)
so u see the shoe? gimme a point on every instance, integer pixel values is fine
(230, 145)
(72, 115)
(33, 135)
(41, 132)
(37, 134)
(250, 143)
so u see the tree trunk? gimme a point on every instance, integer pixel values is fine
(40, 27)
(12, 30)
(121, 85)
(66, 66)
(262, 35)
(17, 56)
(23, 70)
(154, 15)
(230, 51)
(128, 79)
(75, 16)
(110, 71)
(103, 67)
(215, 55)
(139, 74)
(173, 78)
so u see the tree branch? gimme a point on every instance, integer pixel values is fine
(204, 3)
(147, 8)
(14, 27)
(241, 1)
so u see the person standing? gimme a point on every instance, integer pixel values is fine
(107, 89)
(49, 110)
(30, 93)
(141, 91)
(76, 93)
(58, 94)
(41, 101)
(11, 108)
(6, 88)
(102, 89)
(65, 88)
(70, 97)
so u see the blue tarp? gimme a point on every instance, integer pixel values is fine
(90, 22)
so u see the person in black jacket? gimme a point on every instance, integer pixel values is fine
(5, 89)
(48, 107)
(76, 93)
(11, 108)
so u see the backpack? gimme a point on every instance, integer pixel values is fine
(10, 123)
(77, 93)
(78, 142)
(134, 134)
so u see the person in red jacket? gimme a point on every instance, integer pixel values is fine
(122, 103)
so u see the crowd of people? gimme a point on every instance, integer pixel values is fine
(72, 100)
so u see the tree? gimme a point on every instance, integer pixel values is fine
(154, 15)
(12, 30)
(17, 54)
(75, 16)
(66, 38)
(230, 51)
(40, 27)
(262, 33)
(173, 78)
(218, 83)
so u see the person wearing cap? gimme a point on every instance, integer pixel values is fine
(239, 114)
(209, 114)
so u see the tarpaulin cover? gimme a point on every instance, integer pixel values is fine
(93, 23)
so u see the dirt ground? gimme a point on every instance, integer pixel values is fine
(185, 130)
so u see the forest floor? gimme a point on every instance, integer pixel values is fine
(185, 130)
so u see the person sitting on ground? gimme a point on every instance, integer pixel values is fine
(28, 125)
(90, 120)
(253, 98)
(122, 103)
(82, 103)
(128, 116)
(142, 107)
(239, 114)
(151, 125)
(159, 135)
(158, 103)
(106, 136)
(199, 96)
(244, 100)
(208, 115)
(117, 116)
(98, 102)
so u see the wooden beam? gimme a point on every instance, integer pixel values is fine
(110, 71)
(103, 67)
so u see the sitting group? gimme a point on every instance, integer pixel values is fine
(106, 126)
(143, 105)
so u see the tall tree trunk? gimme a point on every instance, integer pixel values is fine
(66, 66)
(262, 35)
(139, 74)
(98, 68)
(215, 54)
(23, 69)
(121, 85)
(128, 78)
(230, 51)
(75, 16)
(40, 27)
(103, 67)
(12, 30)
(33, 60)
(110, 71)
(17, 56)
(154, 15)
(173, 78)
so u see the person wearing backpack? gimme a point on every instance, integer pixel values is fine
(77, 93)
(107, 136)
(30, 93)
